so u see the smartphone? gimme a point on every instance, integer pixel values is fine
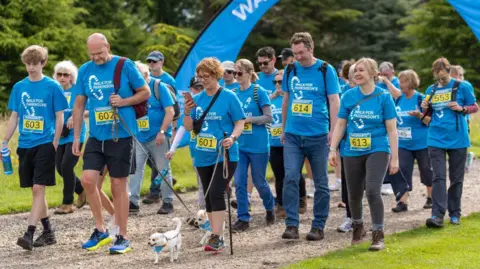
(187, 96)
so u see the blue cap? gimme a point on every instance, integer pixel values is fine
(155, 56)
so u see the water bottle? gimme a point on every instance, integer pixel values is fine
(469, 162)
(158, 180)
(6, 160)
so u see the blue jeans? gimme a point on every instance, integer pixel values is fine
(258, 163)
(315, 148)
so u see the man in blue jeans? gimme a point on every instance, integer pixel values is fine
(310, 104)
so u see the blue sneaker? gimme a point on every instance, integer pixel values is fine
(97, 239)
(215, 244)
(455, 221)
(121, 246)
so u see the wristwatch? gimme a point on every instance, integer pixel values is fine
(233, 137)
(162, 131)
(332, 150)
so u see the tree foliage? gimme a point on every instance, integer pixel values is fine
(435, 29)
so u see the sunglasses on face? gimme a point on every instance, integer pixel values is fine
(229, 72)
(265, 63)
(279, 82)
(152, 61)
(63, 75)
(237, 74)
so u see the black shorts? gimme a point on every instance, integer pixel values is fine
(37, 165)
(117, 156)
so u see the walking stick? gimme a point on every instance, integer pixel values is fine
(226, 159)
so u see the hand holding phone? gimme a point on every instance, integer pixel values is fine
(189, 103)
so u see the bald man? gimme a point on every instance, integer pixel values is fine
(95, 83)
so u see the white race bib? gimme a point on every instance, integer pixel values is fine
(404, 133)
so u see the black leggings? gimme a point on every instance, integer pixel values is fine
(344, 189)
(215, 199)
(65, 162)
(278, 168)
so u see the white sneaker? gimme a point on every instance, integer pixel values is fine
(387, 189)
(337, 186)
(346, 226)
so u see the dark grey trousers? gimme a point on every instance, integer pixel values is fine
(456, 169)
(366, 171)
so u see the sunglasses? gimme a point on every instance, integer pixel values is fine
(152, 61)
(279, 82)
(264, 63)
(229, 72)
(63, 75)
(237, 74)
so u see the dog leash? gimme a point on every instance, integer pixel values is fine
(154, 165)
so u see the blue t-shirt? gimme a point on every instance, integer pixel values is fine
(254, 138)
(71, 95)
(221, 118)
(167, 78)
(394, 81)
(276, 131)
(149, 126)
(412, 133)
(366, 129)
(36, 103)
(443, 126)
(343, 89)
(308, 114)
(473, 91)
(266, 81)
(96, 83)
(231, 86)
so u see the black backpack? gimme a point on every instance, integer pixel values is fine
(255, 97)
(173, 94)
(323, 68)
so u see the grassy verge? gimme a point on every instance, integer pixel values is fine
(451, 247)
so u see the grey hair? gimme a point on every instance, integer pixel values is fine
(386, 66)
(67, 66)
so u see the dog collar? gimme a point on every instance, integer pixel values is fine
(206, 226)
(157, 249)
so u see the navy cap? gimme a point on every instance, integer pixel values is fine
(286, 52)
(195, 81)
(155, 56)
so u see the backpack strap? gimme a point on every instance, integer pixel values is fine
(156, 91)
(255, 97)
(290, 68)
(323, 68)
(454, 99)
(118, 74)
(429, 110)
(397, 100)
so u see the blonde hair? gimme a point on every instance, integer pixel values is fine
(371, 66)
(412, 77)
(142, 67)
(247, 66)
(211, 66)
(302, 37)
(34, 54)
(67, 67)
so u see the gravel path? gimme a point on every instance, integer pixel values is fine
(259, 247)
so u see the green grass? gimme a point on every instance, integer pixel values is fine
(451, 247)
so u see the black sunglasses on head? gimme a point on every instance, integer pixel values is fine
(279, 82)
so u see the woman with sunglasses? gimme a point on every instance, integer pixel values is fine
(65, 161)
(224, 117)
(254, 144)
(276, 150)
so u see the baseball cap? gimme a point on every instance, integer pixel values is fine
(195, 81)
(286, 52)
(155, 56)
(228, 65)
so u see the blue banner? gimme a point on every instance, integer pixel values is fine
(470, 12)
(222, 38)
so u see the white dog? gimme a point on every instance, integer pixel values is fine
(201, 220)
(171, 241)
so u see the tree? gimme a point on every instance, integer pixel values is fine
(49, 23)
(435, 29)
